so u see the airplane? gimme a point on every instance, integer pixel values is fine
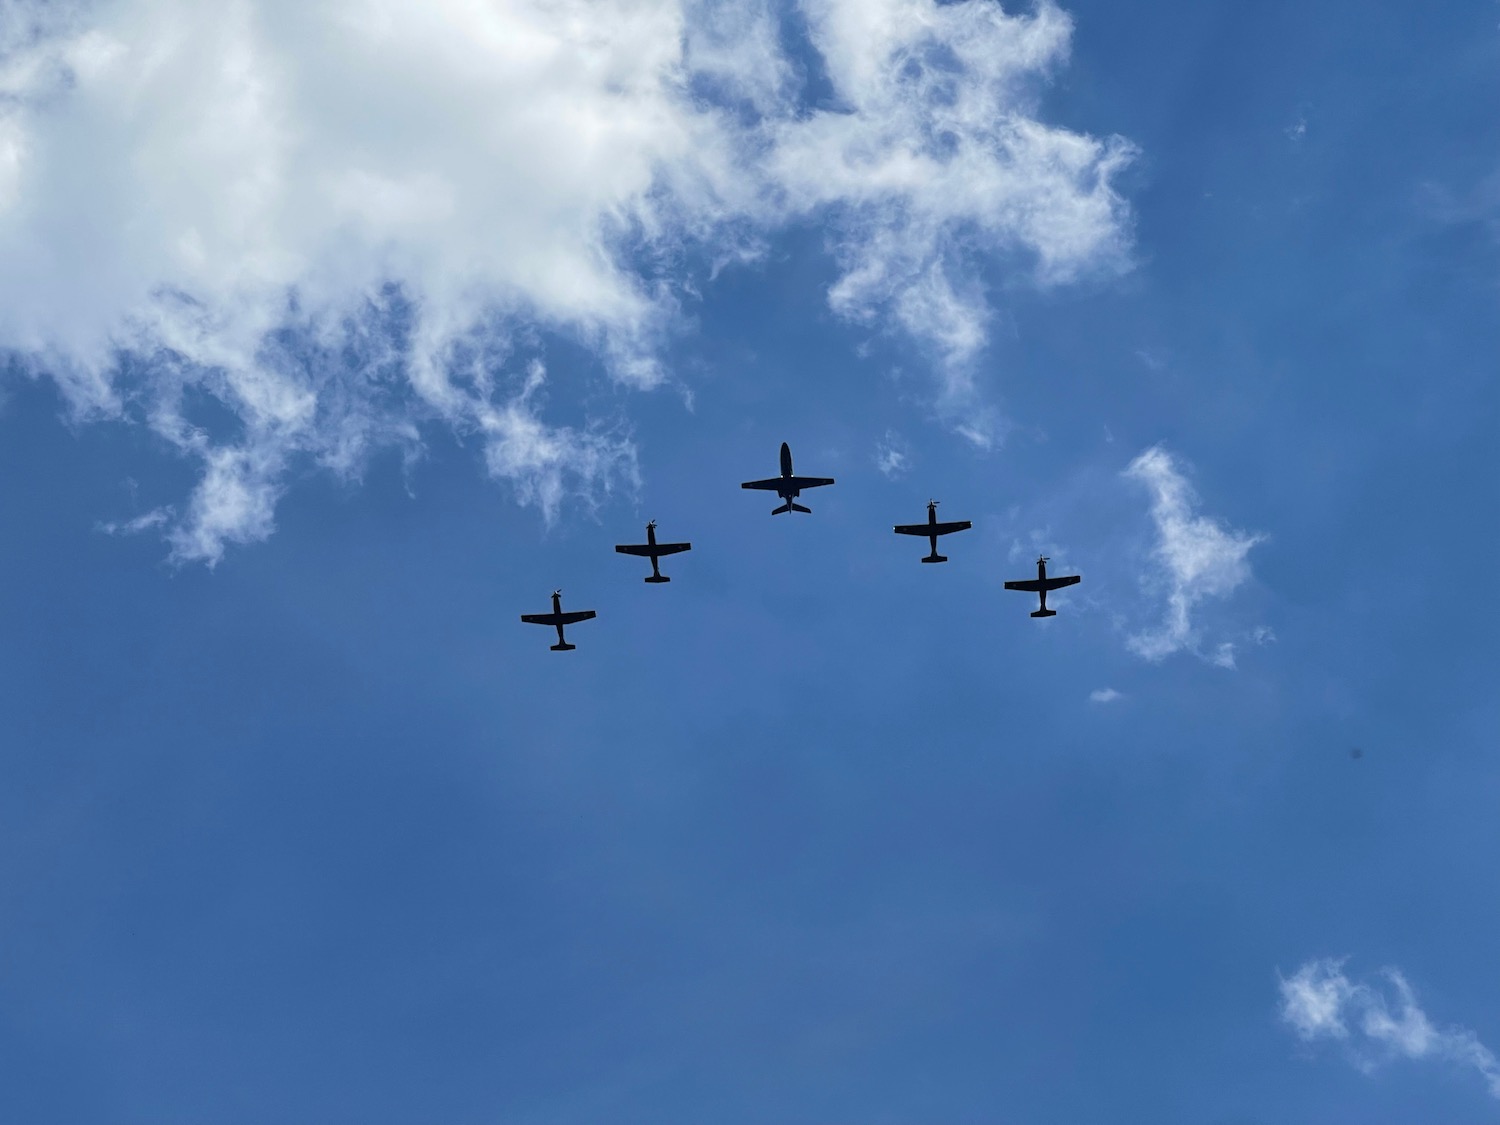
(787, 486)
(653, 550)
(1041, 584)
(557, 618)
(932, 529)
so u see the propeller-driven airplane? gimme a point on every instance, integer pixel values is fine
(557, 618)
(653, 550)
(1041, 584)
(932, 529)
(787, 486)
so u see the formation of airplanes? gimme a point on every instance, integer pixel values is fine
(789, 486)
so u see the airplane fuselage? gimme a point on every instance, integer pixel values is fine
(651, 542)
(788, 493)
(1041, 577)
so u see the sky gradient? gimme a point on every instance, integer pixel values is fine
(336, 336)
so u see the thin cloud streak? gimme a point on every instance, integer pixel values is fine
(893, 455)
(1195, 558)
(1376, 1025)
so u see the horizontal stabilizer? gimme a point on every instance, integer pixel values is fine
(936, 558)
(1045, 613)
(563, 648)
(656, 578)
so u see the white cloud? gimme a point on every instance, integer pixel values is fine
(1105, 695)
(1478, 204)
(893, 455)
(1376, 1025)
(931, 154)
(1154, 360)
(346, 220)
(1195, 556)
(154, 518)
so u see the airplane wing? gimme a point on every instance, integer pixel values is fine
(950, 528)
(911, 529)
(646, 550)
(770, 485)
(1036, 587)
(805, 482)
(555, 619)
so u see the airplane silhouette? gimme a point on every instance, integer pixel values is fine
(653, 550)
(787, 486)
(1041, 584)
(932, 529)
(557, 618)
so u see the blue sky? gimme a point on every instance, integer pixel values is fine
(313, 386)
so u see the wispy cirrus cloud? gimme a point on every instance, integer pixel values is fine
(1376, 1023)
(1106, 695)
(347, 221)
(1195, 557)
(893, 455)
(933, 157)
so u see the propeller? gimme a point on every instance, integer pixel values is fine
(650, 524)
(932, 503)
(1042, 559)
(557, 593)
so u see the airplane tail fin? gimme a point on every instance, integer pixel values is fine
(1045, 613)
(657, 578)
(935, 557)
(563, 648)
